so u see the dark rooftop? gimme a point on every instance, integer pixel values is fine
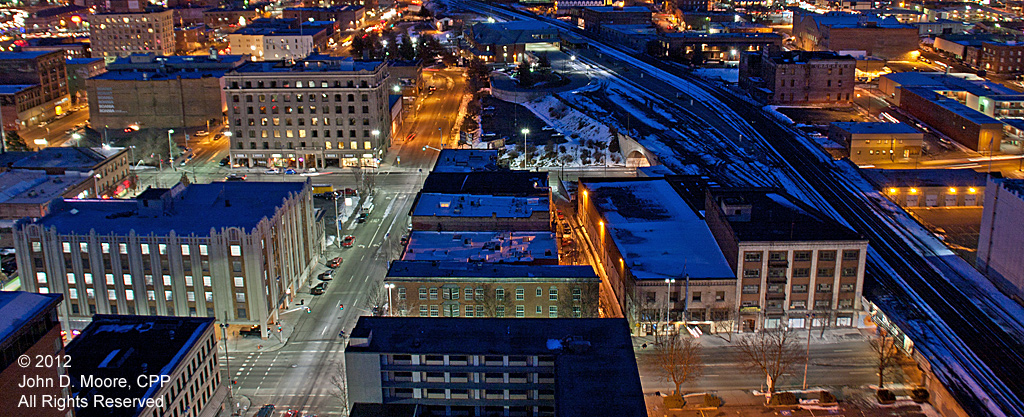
(384, 410)
(18, 307)
(595, 367)
(312, 63)
(884, 178)
(75, 157)
(1015, 186)
(116, 346)
(467, 160)
(194, 209)
(429, 269)
(507, 183)
(777, 216)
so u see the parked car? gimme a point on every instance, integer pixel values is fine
(411, 136)
(333, 263)
(251, 331)
(324, 277)
(349, 192)
(348, 241)
(272, 171)
(290, 171)
(318, 289)
(202, 133)
(328, 273)
(235, 177)
(547, 128)
(405, 239)
(225, 161)
(362, 217)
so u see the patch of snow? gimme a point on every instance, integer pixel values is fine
(731, 75)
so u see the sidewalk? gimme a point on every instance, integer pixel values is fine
(831, 336)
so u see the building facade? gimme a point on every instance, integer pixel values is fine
(33, 329)
(123, 34)
(510, 42)
(319, 112)
(799, 77)
(231, 250)
(495, 367)
(24, 70)
(108, 167)
(874, 142)
(702, 47)
(855, 34)
(347, 17)
(1000, 254)
(454, 289)
(182, 349)
(593, 18)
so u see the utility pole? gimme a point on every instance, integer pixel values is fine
(170, 147)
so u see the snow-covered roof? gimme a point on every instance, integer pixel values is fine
(468, 205)
(860, 128)
(467, 160)
(657, 233)
(18, 307)
(502, 247)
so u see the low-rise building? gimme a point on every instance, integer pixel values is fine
(969, 127)
(930, 187)
(554, 367)
(236, 251)
(69, 18)
(71, 47)
(470, 212)
(29, 193)
(34, 87)
(107, 166)
(283, 39)
(798, 77)
(234, 17)
(348, 16)
(180, 351)
(122, 34)
(525, 248)
(510, 42)
(467, 160)
(874, 142)
(79, 70)
(1001, 243)
(702, 47)
(31, 329)
(189, 39)
(161, 92)
(593, 18)
(855, 34)
(496, 183)
(487, 289)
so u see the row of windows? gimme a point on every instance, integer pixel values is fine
(367, 145)
(122, 248)
(802, 255)
(299, 98)
(478, 293)
(274, 109)
(478, 311)
(796, 288)
(800, 272)
(235, 85)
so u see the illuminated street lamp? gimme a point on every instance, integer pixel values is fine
(525, 132)
(389, 286)
(170, 149)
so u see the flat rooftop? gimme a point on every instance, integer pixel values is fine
(15, 88)
(778, 217)
(418, 269)
(36, 187)
(116, 346)
(595, 367)
(467, 160)
(507, 183)
(953, 106)
(195, 211)
(312, 63)
(70, 157)
(884, 178)
(500, 247)
(18, 307)
(868, 128)
(1015, 186)
(469, 205)
(657, 233)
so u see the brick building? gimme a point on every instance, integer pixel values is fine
(791, 77)
(31, 327)
(855, 34)
(123, 34)
(875, 142)
(34, 86)
(1001, 243)
(347, 17)
(975, 130)
(457, 289)
(701, 47)
(509, 42)
(232, 18)
(593, 18)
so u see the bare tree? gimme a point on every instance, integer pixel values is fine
(339, 387)
(771, 352)
(376, 300)
(887, 355)
(649, 314)
(680, 359)
(586, 298)
(365, 180)
(722, 321)
(492, 303)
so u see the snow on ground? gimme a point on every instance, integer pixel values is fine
(731, 75)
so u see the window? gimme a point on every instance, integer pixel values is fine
(827, 255)
(800, 288)
(801, 272)
(553, 311)
(553, 294)
(423, 293)
(520, 294)
(469, 311)
(499, 294)
(433, 311)
(822, 304)
(479, 294)
(751, 273)
(846, 287)
(846, 303)
(540, 292)
(696, 297)
(520, 311)
(752, 256)
(798, 305)
(239, 282)
(236, 250)
(577, 294)
(539, 309)
(423, 311)
(751, 289)
(851, 255)
(720, 296)
(777, 256)
(826, 272)
(849, 272)
(433, 293)
(499, 311)
(824, 287)
(401, 293)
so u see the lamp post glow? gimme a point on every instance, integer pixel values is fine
(525, 152)
(389, 286)
(668, 300)
(170, 147)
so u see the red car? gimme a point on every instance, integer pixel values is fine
(333, 263)
(348, 241)
(411, 136)
(560, 215)
(293, 413)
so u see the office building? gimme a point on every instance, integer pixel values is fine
(318, 112)
(484, 289)
(502, 367)
(283, 39)
(122, 34)
(180, 351)
(593, 18)
(347, 16)
(1001, 243)
(874, 142)
(510, 42)
(235, 251)
(798, 77)
(34, 87)
(855, 34)
(700, 47)
(29, 326)
(159, 92)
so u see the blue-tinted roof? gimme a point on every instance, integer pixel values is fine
(851, 20)
(18, 307)
(953, 106)
(884, 178)
(467, 160)
(595, 366)
(312, 63)
(612, 9)
(23, 55)
(154, 75)
(428, 269)
(127, 346)
(15, 88)
(81, 61)
(199, 208)
(1015, 186)
(74, 157)
(875, 127)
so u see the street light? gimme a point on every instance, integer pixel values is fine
(170, 147)
(389, 286)
(668, 299)
(525, 132)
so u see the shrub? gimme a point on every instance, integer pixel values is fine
(783, 398)
(885, 396)
(919, 395)
(826, 397)
(712, 401)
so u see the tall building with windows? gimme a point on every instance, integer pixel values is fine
(318, 112)
(229, 250)
(33, 89)
(123, 34)
(495, 367)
